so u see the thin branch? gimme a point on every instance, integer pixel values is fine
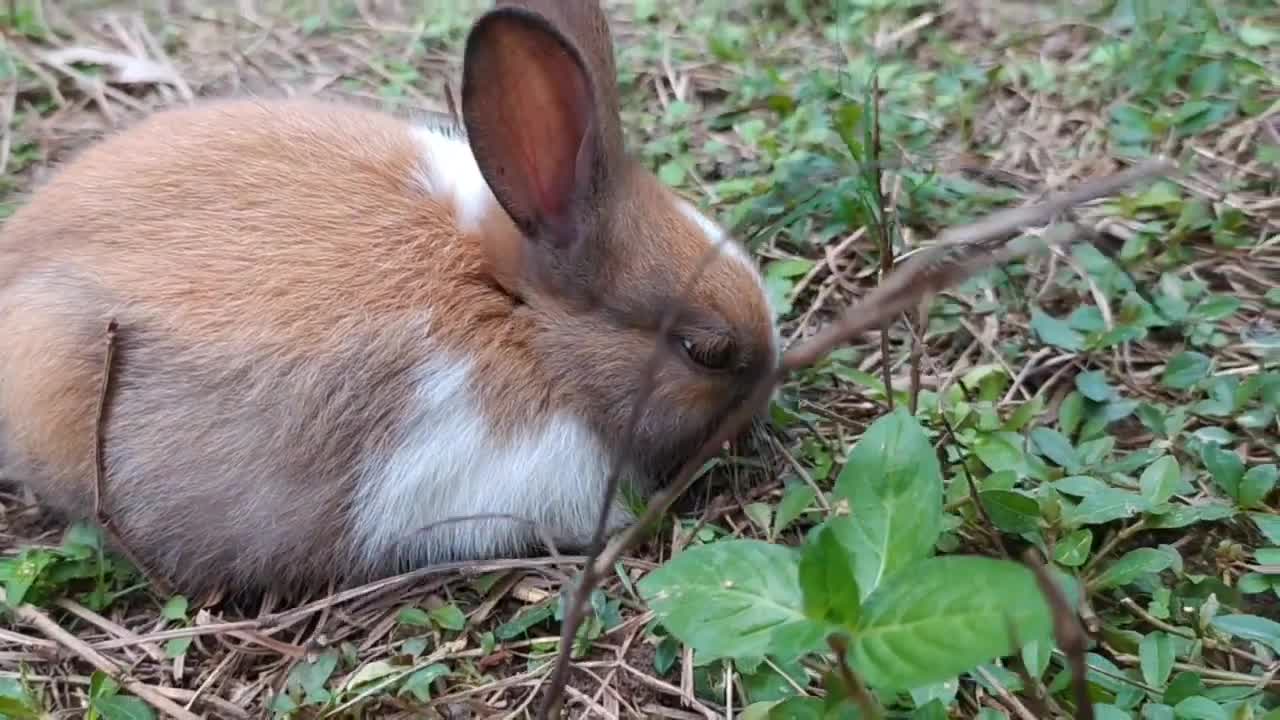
(867, 704)
(591, 574)
(1068, 632)
(29, 614)
(101, 508)
(958, 255)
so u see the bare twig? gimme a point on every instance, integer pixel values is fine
(867, 704)
(1068, 632)
(101, 508)
(592, 572)
(959, 254)
(29, 614)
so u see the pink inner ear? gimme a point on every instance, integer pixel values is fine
(544, 111)
(555, 106)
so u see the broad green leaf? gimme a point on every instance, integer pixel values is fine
(1256, 484)
(1186, 369)
(311, 677)
(123, 707)
(734, 598)
(1156, 655)
(1160, 479)
(893, 484)
(773, 682)
(1199, 708)
(925, 624)
(1250, 627)
(1071, 413)
(1107, 711)
(1106, 505)
(795, 500)
(1093, 385)
(175, 608)
(1036, 656)
(1184, 685)
(1157, 711)
(17, 710)
(372, 672)
(1226, 467)
(525, 619)
(1053, 445)
(1269, 525)
(933, 710)
(1074, 549)
(414, 616)
(419, 683)
(1184, 515)
(798, 708)
(827, 579)
(1011, 511)
(1053, 331)
(759, 513)
(449, 617)
(1135, 564)
(997, 453)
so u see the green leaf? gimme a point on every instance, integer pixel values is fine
(1186, 369)
(925, 624)
(1257, 483)
(524, 620)
(1156, 656)
(1093, 385)
(175, 608)
(1184, 515)
(419, 683)
(17, 710)
(1055, 446)
(1250, 627)
(795, 501)
(1199, 708)
(123, 707)
(893, 484)
(1107, 711)
(1226, 467)
(997, 453)
(1269, 525)
(1011, 511)
(1073, 550)
(734, 598)
(371, 672)
(413, 616)
(1105, 505)
(827, 579)
(1071, 413)
(1135, 564)
(1160, 479)
(449, 617)
(761, 514)
(311, 677)
(1055, 332)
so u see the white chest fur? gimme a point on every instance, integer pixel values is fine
(448, 464)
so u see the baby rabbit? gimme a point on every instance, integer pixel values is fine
(337, 328)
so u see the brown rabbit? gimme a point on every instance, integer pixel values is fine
(337, 328)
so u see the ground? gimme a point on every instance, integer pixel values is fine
(1113, 404)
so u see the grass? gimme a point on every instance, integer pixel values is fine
(1115, 405)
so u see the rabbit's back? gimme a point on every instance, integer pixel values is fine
(311, 354)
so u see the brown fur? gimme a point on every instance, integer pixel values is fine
(278, 276)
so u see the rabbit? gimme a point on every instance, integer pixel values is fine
(338, 327)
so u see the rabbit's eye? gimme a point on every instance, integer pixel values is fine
(713, 354)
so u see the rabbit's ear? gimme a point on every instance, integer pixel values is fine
(542, 123)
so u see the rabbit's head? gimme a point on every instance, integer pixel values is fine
(596, 245)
